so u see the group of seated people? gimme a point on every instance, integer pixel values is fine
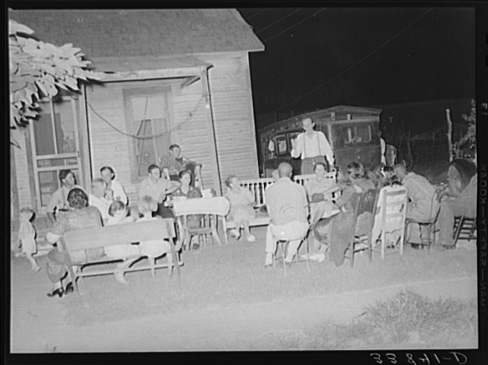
(293, 209)
(72, 208)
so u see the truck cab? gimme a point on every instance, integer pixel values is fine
(351, 131)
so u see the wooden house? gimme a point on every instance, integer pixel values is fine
(171, 75)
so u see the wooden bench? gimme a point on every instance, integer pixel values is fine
(123, 234)
(257, 187)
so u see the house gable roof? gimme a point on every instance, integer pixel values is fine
(140, 33)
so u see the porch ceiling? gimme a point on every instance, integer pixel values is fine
(186, 68)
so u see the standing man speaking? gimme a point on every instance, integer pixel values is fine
(313, 147)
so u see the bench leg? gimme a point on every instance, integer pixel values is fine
(152, 263)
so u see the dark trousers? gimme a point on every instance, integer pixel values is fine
(190, 166)
(164, 212)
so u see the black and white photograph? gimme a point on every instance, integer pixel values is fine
(248, 179)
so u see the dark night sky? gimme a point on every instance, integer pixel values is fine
(432, 59)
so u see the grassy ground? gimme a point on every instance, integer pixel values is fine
(407, 320)
(216, 277)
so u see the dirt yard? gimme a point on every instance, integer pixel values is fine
(227, 300)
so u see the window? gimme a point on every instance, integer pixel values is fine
(269, 99)
(359, 134)
(281, 142)
(147, 117)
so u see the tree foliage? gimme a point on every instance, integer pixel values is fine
(466, 146)
(39, 69)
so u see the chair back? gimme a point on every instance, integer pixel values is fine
(435, 205)
(394, 208)
(366, 211)
(216, 206)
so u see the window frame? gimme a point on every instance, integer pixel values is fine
(128, 94)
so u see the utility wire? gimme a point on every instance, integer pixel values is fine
(178, 126)
(279, 20)
(356, 63)
(255, 15)
(294, 25)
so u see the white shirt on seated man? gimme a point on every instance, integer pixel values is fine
(288, 209)
(97, 198)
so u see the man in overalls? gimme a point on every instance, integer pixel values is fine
(313, 147)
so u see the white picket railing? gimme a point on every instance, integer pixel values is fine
(258, 186)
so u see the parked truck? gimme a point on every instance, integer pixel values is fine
(353, 133)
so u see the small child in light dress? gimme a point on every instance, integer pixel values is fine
(154, 248)
(129, 253)
(27, 237)
(241, 207)
(118, 213)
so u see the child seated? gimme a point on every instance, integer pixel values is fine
(130, 253)
(154, 248)
(27, 237)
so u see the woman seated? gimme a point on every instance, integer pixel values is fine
(336, 231)
(459, 198)
(114, 189)
(241, 207)
(186, 189)
(79, 216)
(319, 190)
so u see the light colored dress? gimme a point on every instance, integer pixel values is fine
(241, 206)
(121, 251)
(153, 248)
(27, 235)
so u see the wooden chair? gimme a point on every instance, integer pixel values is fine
(211, 210)
(390, 217)
(464, 228)
(283, 246)
(365, 213)
(429, 223)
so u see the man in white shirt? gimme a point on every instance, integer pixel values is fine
(97, 197)
(311, 146)
(58, 202)
(288, 209)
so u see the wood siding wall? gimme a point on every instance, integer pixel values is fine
(231, 92)
(233, 116)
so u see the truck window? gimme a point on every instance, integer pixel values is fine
(358, 134)
(281, 144)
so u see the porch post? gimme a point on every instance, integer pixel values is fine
(211, 130)
(84, 138)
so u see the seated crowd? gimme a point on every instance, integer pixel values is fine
(296, 212)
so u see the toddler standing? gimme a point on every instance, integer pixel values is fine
(27, 237)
